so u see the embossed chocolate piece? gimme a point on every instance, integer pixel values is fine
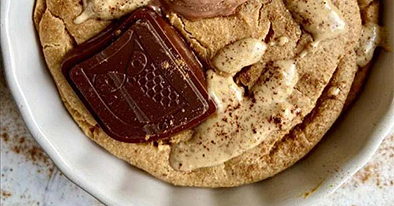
(139, 80)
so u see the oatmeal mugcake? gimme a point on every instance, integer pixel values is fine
(208, 93)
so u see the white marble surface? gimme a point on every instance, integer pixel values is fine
(28, 176)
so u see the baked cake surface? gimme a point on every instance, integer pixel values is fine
(325, 79)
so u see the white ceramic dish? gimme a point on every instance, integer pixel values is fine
(342, 152)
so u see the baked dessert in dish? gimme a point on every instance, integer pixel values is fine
(208, 93)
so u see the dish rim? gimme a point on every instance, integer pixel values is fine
(380, 131)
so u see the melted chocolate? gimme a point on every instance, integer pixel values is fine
(139, 79)
(199, 9)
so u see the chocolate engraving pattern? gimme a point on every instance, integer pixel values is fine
(140, 87)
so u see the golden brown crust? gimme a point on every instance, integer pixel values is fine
(58, 35)
(39, 10)
(305, 136)
(369, 13)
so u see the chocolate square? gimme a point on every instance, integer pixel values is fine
(140, 80)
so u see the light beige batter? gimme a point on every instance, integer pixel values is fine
(373, 36)
(321, 18)
(108, 9)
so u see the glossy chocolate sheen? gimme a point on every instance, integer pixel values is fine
(139, 79)
(200, 9)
